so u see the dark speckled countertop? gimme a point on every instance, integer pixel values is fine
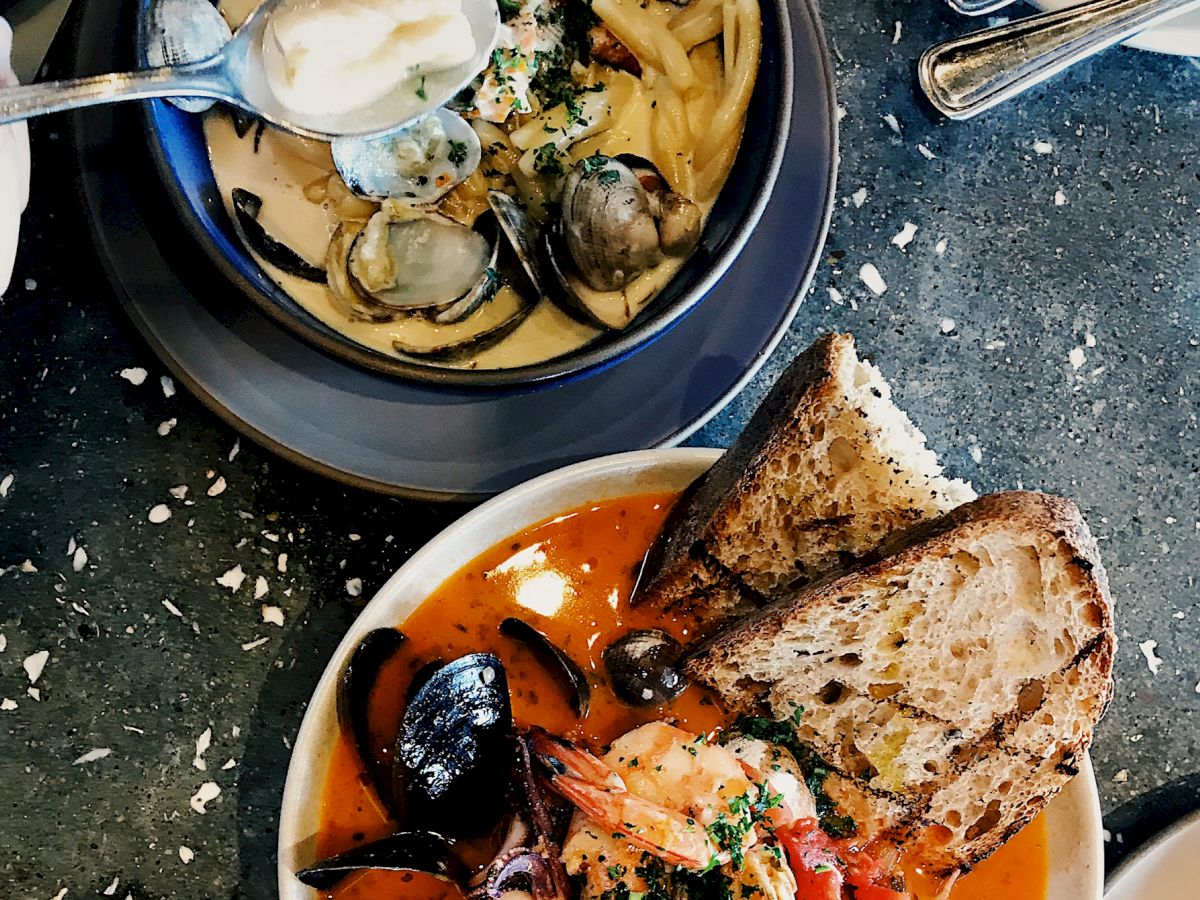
(1041, 321)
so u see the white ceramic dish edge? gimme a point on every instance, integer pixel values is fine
(1074, 817)
(1165, 866)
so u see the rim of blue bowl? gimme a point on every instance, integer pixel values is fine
(595, 356)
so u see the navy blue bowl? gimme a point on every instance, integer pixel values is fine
(181, 156)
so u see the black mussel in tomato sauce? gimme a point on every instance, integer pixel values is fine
(574, 681)
(643, 667)
(454, 751)
(405, 851)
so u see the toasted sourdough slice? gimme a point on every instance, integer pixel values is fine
(952, 686)
(826, 469)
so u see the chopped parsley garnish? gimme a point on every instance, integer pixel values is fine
(421, 89)
(814, 768)
(458, 153)
(607, 177)
(547, 160)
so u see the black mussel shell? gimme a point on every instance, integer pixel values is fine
(419, 678)
(354, 694)
(552, 657)
(247, 205)
(454, 752)
(406, 851)
(643, 667)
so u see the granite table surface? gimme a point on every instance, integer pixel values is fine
(1042, 324)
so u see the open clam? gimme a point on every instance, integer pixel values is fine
(417, 165)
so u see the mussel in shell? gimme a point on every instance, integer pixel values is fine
(353, 698)
(247, 208)
(454, 753)
(574, 679)
(405, 851)
(643, 667)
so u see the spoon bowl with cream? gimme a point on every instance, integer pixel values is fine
(323, 69)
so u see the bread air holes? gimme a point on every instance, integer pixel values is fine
(954, 818)
(831, 693)
(850, 660)
(884, 691)
(986, 822)
(1093, 615)
(842, 455)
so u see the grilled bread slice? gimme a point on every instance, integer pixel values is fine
(826, 469)
(952, 686)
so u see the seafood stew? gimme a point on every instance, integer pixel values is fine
(651, 792)
(545, 207)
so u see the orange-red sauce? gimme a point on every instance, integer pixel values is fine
(569, 577)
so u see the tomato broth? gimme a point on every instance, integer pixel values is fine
(570, 577)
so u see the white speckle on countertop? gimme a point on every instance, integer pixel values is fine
(92, 756)
(186, 854)
(281, 563)
(948, 325)
(217, 487)
(34, 664)
(28, 568)
(168, 386)
(1076, 357)
(257, 642)
(5, 484)
(34, 693)
(892, 122)
(1153, 661)
(30, 284)
(237, 448)
(1089, 340)
(272, 615)
(3, 643)
(835, 295)
(1060, 198)
(926, 152)
(229, 764)
(8, 705)
(872, 279)
(898, 30)
(859, 197)
(907, 233)
(164, 428)
(977, 454)
(1121, 777)
(79, 559)
(233, 578)
(159, 514)
(112, 888)
(135, 376)
(260, 588)
(179, 491)
(60, 895)
(172, 608)
(354, 587)
(203, 742)
(1043, 148)
(940, 247)
(208, 792)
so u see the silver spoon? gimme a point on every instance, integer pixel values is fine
(196, 65)
(967, 75)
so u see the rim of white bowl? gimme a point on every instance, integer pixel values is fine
(1075, 833)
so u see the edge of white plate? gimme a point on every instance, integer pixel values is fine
(1129, 875)
(1176, 37)
(1074, 816)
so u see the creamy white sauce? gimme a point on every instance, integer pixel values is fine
(329, 56)
(279, 172)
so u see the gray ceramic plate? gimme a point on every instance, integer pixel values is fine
(378, 432)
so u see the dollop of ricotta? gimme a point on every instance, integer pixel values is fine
(328, 56)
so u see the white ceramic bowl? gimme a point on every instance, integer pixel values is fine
(1074, 817)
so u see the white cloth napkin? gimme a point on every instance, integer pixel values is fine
(14, 168)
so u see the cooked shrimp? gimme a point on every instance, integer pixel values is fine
(775, 766)
(601, 794)
(666, 793)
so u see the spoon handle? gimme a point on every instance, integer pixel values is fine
(200, 79)
(965, 76)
